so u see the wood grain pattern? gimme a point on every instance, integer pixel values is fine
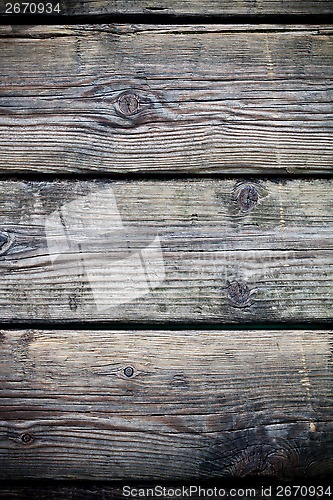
(185, 99)
(200, 404)
(194, 8)
(224, 250)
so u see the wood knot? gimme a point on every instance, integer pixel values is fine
(26, 438)
(6, 241)
(239, 293)
(247, 198)
(129, 371)
(128, 104)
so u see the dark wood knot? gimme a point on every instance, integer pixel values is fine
(26, 438)
(239, 293)
(247, 198)
(6, 241)
(129, 371)
(128, 103)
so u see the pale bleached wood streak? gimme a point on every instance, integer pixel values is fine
(154, 99)
(195, 250)
(220, 8)
(197, 404)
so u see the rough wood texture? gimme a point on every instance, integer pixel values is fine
(200, 250)
(221, 8)
(198, 404)
(128, 98)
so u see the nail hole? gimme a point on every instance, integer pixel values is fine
(129, 371)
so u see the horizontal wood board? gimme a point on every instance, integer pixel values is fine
(194, 250)
(154, 99)
(196, 8)
(199, 404)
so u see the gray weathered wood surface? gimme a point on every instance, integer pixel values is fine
(199, 404)
(185, 99)
(221, 8)
(166, 402)
(227, 251)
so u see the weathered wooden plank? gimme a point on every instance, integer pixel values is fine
(192, 7)
(199, 250)
(197, 404)
(129, 98)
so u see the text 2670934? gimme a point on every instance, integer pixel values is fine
(32, 8)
